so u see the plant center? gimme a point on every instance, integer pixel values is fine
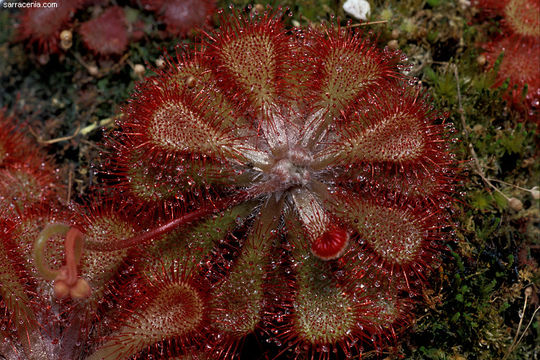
(291, 171)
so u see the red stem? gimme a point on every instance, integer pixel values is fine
(171, 225)
(73, 254)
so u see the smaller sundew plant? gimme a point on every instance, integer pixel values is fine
(48, 30)
(519, 16)
(181, 16)
(107, 34)
(41, 25)
(520, 43)
(289, 182)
